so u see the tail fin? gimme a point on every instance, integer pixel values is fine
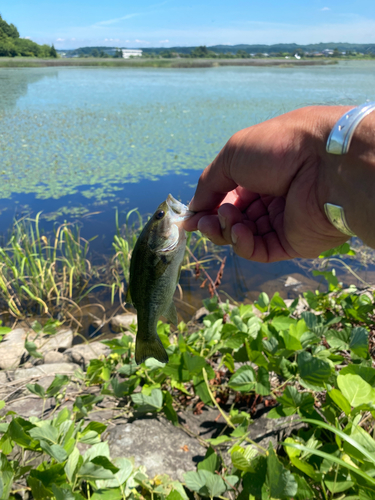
(151, 348)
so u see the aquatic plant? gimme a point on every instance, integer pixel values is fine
(39, 272)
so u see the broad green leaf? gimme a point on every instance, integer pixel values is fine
(219, 440)
(263, 302)
(193, 363)
(215, 485)
(201, 390)
(196, 481)
(17, 433)
(313, 370)
(366, 372)
(280, 481)
(58, 382)
(304, 491)
(154, 402)
(253, 482)
(211, 461)
(71, 464)
(107, 494)
(355, 389)
(283, 322)
(240, 462)
(98, 450)
(125, 469)
(291, 342)
(105, 463)
(32, 349)
(45, 431)
(243, 380)
(36, 389)
(38, 489)
(337, 482)
(91, 472)
(359, 342)
(263, 386)
(55, 451)
(98, 427)
(64, 492)
(341, 401)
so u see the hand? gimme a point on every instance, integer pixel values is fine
(265, 191)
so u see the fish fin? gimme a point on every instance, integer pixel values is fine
(128, 298)
(151, 348)
(171, 314)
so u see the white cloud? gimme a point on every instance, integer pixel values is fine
(26, 37)
(325, 8)
(142, 41)
(117, 20)
(60, 39)
(163, 41)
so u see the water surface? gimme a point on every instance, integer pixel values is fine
(74, 141)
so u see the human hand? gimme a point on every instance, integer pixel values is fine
(265, 191)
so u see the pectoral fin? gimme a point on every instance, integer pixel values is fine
(171, 314)
(128, 297)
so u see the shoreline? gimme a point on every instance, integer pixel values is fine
(25, 62)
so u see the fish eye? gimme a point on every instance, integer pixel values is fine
(160, 214)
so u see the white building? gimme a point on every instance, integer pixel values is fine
(126, 53)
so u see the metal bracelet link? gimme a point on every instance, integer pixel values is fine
(341, 135)
(336, 216)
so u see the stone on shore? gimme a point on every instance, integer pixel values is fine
(122, 322)
(82, 354)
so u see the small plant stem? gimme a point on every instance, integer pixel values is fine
(207, 276)
(223, 414)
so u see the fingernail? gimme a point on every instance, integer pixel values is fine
(234, 237)
(222, 221)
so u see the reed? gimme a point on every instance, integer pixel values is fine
(38, 272)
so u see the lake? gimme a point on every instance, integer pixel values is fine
(79, 143)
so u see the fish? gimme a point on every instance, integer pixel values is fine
(155, 268)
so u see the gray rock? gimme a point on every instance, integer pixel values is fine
(158, 445)
(43, 370)
(122, 322)
(53, 357)
(62, 340)
(82, 354)
(12, 349)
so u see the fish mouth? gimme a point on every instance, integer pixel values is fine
(179, 209)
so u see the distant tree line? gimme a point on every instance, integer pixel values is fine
(11, 45)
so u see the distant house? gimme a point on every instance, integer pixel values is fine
(327, 52)
(126, 53)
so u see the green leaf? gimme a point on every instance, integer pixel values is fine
(304, 491)
(64, 492)
(263, 302)
(215, 485)
(107, 494)
(91, 472)
(243, 380)
(240, 462)
(125, 469)
(58, 382)
(313, 370)
(19, 436)
(201, 390)
(154, 402)
(211, 461)
(2, 404)
(291, 343)
(72, 463)
(253, 482)
(294, 399)
(196, 481)
(104, 462)
(193, 363)
(359, 342)
(98, 427)
(341, 401)
(263, 386)
(38, 489)
(32, 349)
(280, 481)
(55, 451)
(355, 389)
(45, 431)
(366, 372)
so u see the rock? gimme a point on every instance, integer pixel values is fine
(62, 340)
(301, 306)
(53, 357)
(43, 370)
(81, 354)
(158, 445)
(13, 349)
(122, 322)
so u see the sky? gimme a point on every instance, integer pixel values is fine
(149, 23)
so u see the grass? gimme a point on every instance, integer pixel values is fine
(28, 62)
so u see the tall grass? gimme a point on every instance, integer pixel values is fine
(39, 272)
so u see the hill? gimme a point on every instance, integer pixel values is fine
(12, 45)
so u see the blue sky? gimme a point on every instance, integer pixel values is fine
(149, 23)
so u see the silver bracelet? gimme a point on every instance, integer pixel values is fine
(341, 135)
(336, 216)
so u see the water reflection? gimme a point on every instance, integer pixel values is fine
(15, 83)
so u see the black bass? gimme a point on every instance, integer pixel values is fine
(154, 273)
